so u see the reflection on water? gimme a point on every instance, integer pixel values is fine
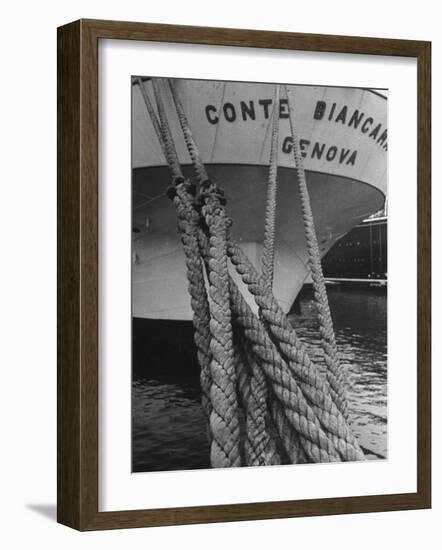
(169, 431)
(168, 425)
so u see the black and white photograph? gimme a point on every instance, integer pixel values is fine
(259, 274)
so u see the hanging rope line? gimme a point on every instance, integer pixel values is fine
(268, 255)
(152, 115)
(187, 220)
(335, 373)
(307, 375)
(224, 424)
(188, 136)
(259, 447)
(256, 411)
(266, 401)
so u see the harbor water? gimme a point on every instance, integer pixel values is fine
(168, 426)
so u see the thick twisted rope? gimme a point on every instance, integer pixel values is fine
(268, 261)
(307, 375)
(152, 115)
(294, 407)
(222, 367)
(289, 437)
(268, 254)
(169, 144)
(335, 373)
(188, 136)
(187, 221)
(225, 449)
(257, 392)
(223, 400)
(260, 450)
(318, 447)
(224, 424)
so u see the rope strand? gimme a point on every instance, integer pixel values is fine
(268, 255)
(335, 374)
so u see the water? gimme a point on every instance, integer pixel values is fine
(360, 321)
(168, 425)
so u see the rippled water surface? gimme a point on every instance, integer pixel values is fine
(168, 426)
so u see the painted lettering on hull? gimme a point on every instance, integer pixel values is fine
(321, 151)
(245, 110)
(353, 118)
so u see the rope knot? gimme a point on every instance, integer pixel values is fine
(171, 192)
(191, 189)
(209, 189)
(221, 198)
(205, 185)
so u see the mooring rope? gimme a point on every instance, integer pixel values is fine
(259, 448)
(299, 413)
(224, 419)
(308, 376)
(152, 116)
(169, 144)
(268, 254)
(187, 220)
(224, 423)
(304, 411)
(335, 373)
(188, 136)
(257, 410)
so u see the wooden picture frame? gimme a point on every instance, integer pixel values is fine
(78, 274)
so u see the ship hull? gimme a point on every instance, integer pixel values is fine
(361, 255)
(343, 141)
(159, 284)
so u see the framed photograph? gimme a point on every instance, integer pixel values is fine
(243, 274)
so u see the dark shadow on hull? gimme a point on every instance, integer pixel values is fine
(164, 350)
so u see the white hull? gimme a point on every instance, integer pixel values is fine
(236, 156)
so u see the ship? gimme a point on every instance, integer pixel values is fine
(360, 257)
(344, 142)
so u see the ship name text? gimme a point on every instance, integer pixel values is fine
(353, 118)
(317, 150)
(356, 119)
